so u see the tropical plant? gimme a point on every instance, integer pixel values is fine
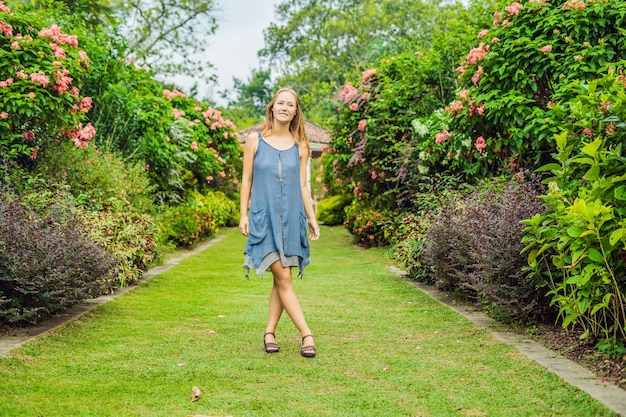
(578, 247)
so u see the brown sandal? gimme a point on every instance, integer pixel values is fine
(309, 350)
(270, 347)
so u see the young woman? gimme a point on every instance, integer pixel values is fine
(275, 191)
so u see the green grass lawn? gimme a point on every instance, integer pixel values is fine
(384, 349)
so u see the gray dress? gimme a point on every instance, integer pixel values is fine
(278, 223)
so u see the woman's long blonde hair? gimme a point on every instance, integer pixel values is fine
(296, 127)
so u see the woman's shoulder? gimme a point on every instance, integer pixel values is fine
(253, 138)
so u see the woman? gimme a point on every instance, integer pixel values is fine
(274, 186)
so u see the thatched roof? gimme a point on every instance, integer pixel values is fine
(318, 136)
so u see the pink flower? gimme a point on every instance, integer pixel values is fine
(483, 33)
(362, 125)
(476, 77)
(209, 178)
(33, 154)
(354, 106)
(222, 174)
(587, 132)
(174, 93)
(464, 94)
(477, 54)
(348, 93)
(574, 4)
(29, 135)
(318, 180)
(85, 104)
(21, 74)
(365, 96)
(496, 18)
(31, 95)
(578, 57)
(15, 46)
(480, 144)
(3, 84)
(546, 49)
(225, 135)
(460, 69)
(178, 113)
(367, 74)
(194, 146)
(441, 137)
(6, 29)
(4, 115)
(4, 8)
(495, 40)
(455, 107)
(39, 78)
(81, 135)
(514, 8)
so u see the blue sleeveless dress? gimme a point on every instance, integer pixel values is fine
(278, 222)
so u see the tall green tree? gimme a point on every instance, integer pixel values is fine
(319, 45)
(252, 96)
(170, 34)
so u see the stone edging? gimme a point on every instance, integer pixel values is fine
(608, 394)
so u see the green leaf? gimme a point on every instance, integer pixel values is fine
(549, 167)
(616, 236)
(620, 193)
(574, 231)
(591, 148)
(595, 255)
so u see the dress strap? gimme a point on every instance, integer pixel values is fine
(260, 135)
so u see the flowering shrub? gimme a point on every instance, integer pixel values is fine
(46, 261)
(374, 125)
(503, 118)
(41, 73)
(369, 227)
(577, 248)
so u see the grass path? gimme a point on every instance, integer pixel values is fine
(384, 349)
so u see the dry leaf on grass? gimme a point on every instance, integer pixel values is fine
(195, 393)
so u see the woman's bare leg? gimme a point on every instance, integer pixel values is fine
(276, 310)
(283, 283)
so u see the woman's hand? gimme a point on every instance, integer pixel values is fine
(244, 225)
(314, 229)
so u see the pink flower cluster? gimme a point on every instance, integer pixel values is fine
(39, 78)
(212, 114)
(82, 135)
(477, 54)
(362, 125)
(574, 4)
(63, 81)
(483, 33)
(354, 106)
(6, 83)
(480, 144)
(441, 137)
(4, 8)
(514, 8)
(173, 93)
(474, 109)
(54, 33)
(546, 49)
(476, 77)
(178, 113)
(348, 93)
(4, 115)
(367, 74)
(83, 105)
(455, 108)
(58, 51)
(6, 29)
(538, 1)
(464, 94)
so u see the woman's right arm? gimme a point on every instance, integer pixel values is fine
(252, 141)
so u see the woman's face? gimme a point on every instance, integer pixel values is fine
(285, 106)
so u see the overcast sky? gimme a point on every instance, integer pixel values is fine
(234, 46)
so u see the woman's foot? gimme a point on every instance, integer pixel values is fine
(270, 347)
(307, 351)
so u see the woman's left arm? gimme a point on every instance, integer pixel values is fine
(306, 193)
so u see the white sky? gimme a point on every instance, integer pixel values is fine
(233, 48)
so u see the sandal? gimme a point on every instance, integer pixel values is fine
(309, 350)
(270, 347)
